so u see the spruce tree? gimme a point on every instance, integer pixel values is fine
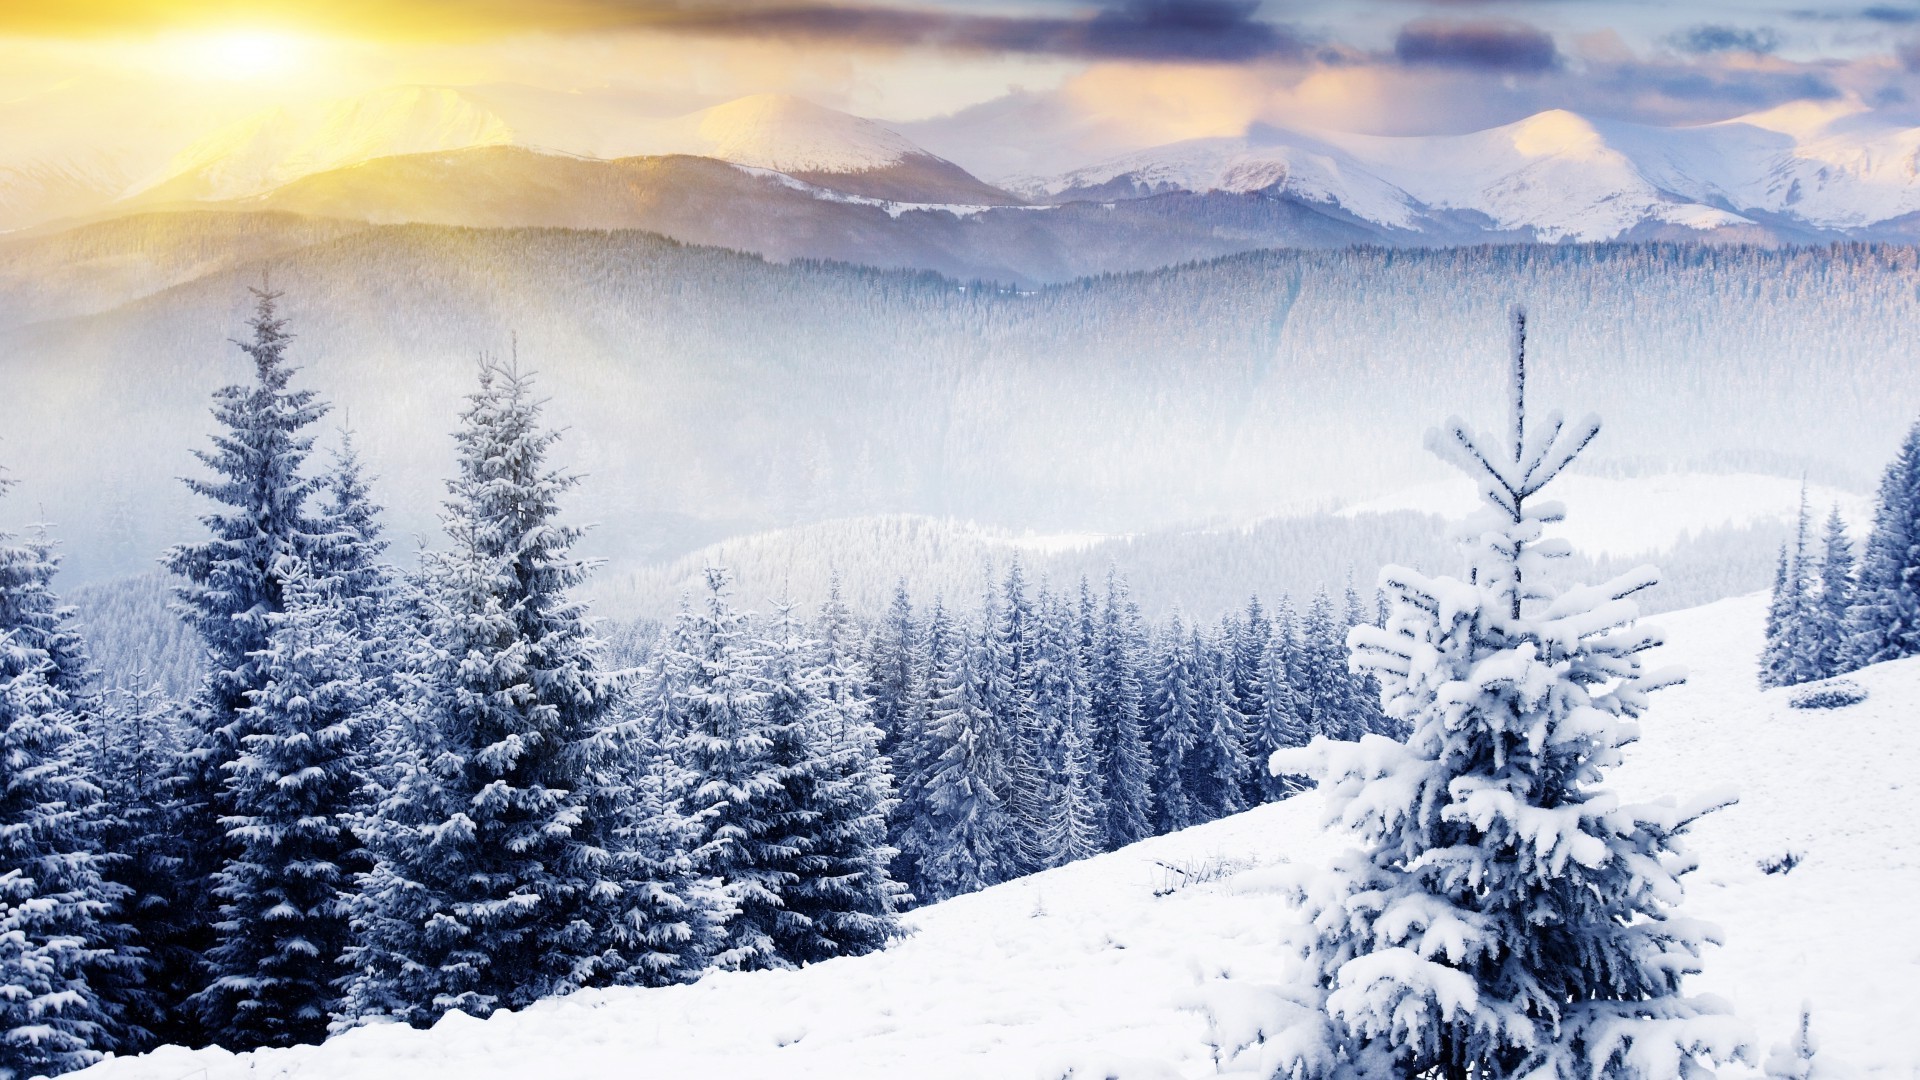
(499, 878)
(1326, 694)
(937, 670)
(1884, 622)
(972, 840)
(57, 912)
(737, 801)
(1174, 716)
(233, 583)
(1011, 630)
(283, 927)
(1122, 759)
(1827, 637)
(1504, 915)
(1216, 765)
(1777, 635)
(893, 672)
(841, 898)
(1251, 635)
(1282, 726)
(133, 738)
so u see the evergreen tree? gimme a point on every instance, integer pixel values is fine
(133, 739)
(1010, 632)
(841, 899)
(1282, 726)
(283, 928)
(57, 928)
(738, 798)
(937, 670)
(1072, 827)
(1884, 622)
(893, 671)
(1325, 689)
(1779, 625)
(1506, 916)
(973, 841)
(505, 882)
(1174, 715)
(234, 582)
(1250, 637)
(1122, 760)
(1216, 766)
(1363, 690)
(1827, 637)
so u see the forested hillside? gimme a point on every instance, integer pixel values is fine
(711, 394)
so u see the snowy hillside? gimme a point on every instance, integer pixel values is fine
(1556, 175)
(1644, 514)
(1162, 960)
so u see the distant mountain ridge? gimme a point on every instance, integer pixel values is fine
(788, 179)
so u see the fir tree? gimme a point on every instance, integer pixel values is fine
(234, 582)
(283, 927)
(738, 799)
(1884, 622)
(1251, 635)
(1010, 634)
(57, 928)
(841, 899)
(937, 670)
(1122, 760)
(1827, 637)
(1506, 916)
(1282, 726)
(1174, 715)
(1215, 767)
(1325, 689)
(894, 672)
(498, 881)
(973, 843)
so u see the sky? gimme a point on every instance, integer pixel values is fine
(134, 72)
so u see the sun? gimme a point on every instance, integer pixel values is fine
(246, 55)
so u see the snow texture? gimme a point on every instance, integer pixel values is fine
(1168, 957)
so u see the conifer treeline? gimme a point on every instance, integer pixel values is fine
(1829, 616)
(399, 794)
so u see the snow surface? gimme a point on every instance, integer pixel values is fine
(1162, 960)
(778, 132)
(1832, 165)
(1646, 514)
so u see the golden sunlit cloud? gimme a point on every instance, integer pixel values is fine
(241, 55)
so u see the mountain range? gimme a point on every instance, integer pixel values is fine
(785, 178)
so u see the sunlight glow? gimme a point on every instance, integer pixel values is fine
(245, 55)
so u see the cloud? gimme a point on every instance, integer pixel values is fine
(1481, 44)
(1714, 38)
(1224, 31)
(1176, 30)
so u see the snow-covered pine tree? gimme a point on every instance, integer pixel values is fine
(1173, 715)
(1216, 765)
(1072, 828)
(232, 582)
(1325, 690)
(276, 964)
(133, 739)
(971, 840)
(1010, 631)
(1282, 726)
(1779, 625)
(1827, 635)
(1122, 758)
(1252, 633)
(499, 884)
(738, 800)
(349, 550)
(1363, 690)
(57, 912)
(840, 899)
(892, 667)
(1884, 622)
(1505, 915)
(936, 666)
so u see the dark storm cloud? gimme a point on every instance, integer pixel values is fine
(1483, 44)
(1701, 40)
(1175, 30)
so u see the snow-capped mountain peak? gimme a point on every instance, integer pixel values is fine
(790, 135)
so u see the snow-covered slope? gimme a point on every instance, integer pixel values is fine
(1644, 514)
(1162, 960)
(1557, 175)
